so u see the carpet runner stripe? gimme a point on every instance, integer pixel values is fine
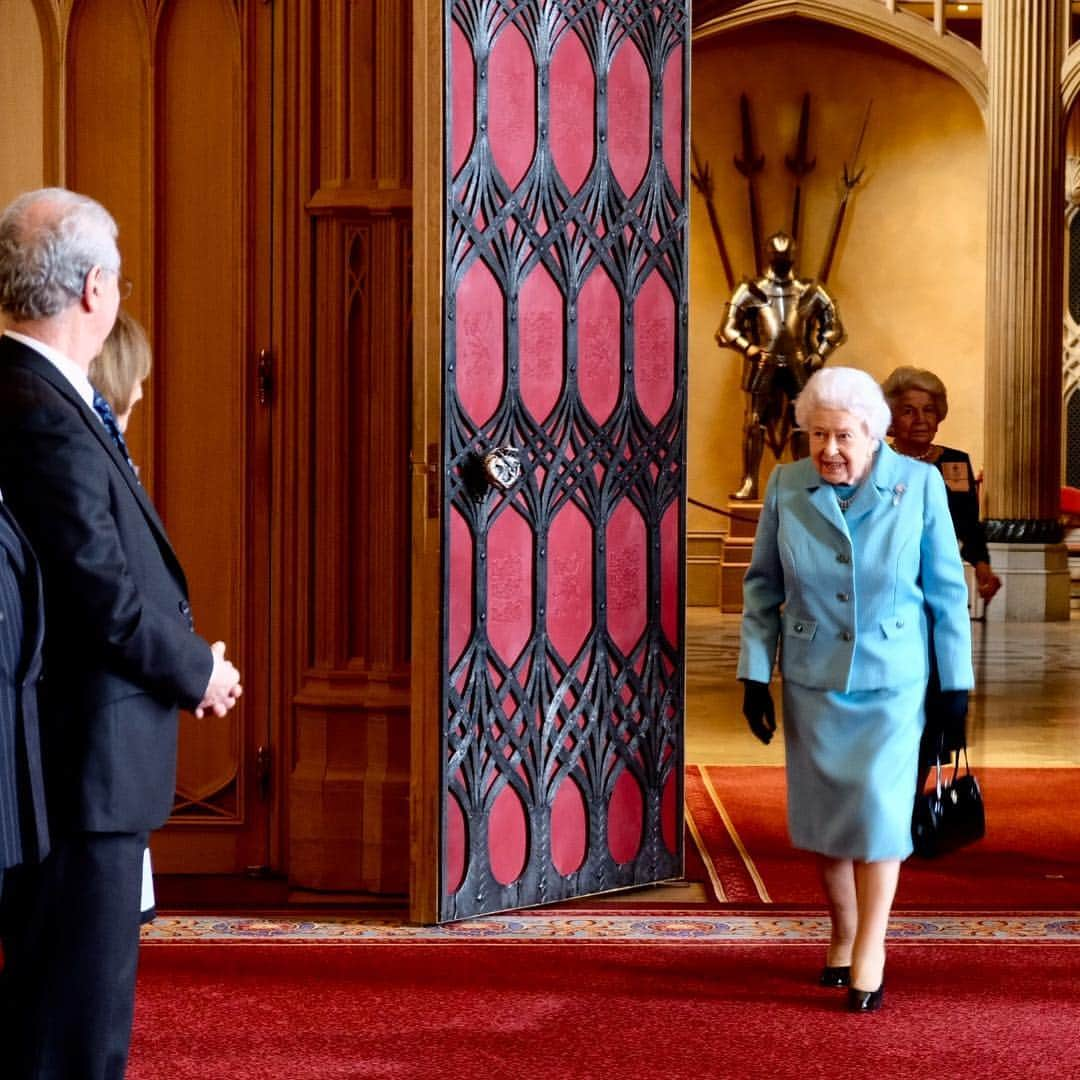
(726, 864)
(725, 817)
(599, 927)
(710, 866)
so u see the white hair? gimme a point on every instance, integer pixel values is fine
(50, 239)
(848, 390)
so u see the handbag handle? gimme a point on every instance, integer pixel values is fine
(956, 767)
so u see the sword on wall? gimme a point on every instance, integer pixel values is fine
(749, 165)
(703, 181)
(799, 165)
(848, 183)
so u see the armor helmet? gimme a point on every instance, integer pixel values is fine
(780, 252)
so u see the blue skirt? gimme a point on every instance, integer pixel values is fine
(852, 760)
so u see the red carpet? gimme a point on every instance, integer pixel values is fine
(598, 1012)
(1029, 859)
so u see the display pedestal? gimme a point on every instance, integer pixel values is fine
(737, 550)
(1035, 584)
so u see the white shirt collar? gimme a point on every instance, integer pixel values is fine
(68, 368)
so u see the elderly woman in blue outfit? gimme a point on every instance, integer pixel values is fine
(854, 555)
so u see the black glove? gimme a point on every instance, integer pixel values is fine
(758, 709)
(952, 709)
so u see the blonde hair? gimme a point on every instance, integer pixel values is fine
(123, 363)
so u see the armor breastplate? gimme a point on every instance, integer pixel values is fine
(780, 323)
(786, 318)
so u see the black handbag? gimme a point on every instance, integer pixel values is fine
(949, 816)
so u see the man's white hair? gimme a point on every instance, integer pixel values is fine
(50, 239)
(849, 390)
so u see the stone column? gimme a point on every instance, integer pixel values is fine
(1024, 46)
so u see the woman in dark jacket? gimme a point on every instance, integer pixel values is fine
(919, 403)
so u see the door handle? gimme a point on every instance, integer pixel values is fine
(502, 467)
(264, 376)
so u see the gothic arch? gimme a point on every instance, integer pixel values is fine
(1070, 78)
(947, 53)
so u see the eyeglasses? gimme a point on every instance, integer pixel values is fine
(123, 285)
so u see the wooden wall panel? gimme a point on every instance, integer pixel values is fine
(162, 109)
(350, 780)
(108, 151)
(22, 99)
(350, 799)
(374, 444)
(309, 580)
(361, 130)
(201, 371)
(350, 770)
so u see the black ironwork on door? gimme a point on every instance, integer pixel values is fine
(563, 448)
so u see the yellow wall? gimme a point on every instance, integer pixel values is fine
(909, 275)
(23, 127)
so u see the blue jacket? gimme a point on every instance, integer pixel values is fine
(849, 598)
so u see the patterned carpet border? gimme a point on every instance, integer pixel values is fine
(661, 927)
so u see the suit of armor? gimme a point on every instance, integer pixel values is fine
(785, 327)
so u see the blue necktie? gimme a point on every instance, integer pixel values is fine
(108, 418)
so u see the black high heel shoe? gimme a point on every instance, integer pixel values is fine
(838, 977)
(864, 1001)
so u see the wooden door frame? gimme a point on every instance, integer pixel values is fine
(427, 279)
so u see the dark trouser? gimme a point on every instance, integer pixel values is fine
(67, 995)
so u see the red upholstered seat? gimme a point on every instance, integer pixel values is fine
(1070, 501)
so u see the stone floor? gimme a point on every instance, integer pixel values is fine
(1025, 710)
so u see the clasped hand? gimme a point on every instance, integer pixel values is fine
(224, 689)
(758, 709)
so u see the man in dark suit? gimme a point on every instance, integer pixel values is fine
(23, 825)
(120, 650)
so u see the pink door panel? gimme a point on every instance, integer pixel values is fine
(563, 449)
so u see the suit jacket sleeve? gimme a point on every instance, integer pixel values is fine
(945, 590)
(57, 480)
(763, 593)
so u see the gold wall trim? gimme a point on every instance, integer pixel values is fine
(949, 54)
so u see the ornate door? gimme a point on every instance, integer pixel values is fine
(563, 449)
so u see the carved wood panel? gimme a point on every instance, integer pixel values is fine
(349, 478)
(349, 783)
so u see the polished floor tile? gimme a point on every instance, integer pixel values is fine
(1025, 710)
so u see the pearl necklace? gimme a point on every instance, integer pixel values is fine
(924, 455)
(845, 503)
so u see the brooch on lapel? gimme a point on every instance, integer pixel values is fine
(898, 492)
